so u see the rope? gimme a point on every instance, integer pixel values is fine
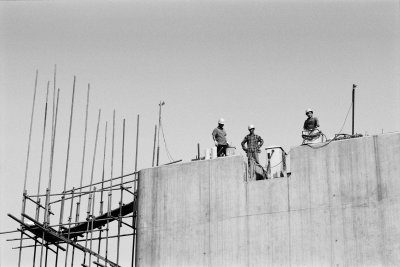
(336, 137)
(165, 143)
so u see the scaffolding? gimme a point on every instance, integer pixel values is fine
(79, 226)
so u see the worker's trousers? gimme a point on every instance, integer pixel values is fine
(253, 155)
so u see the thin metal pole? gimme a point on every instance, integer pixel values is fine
(69, 227)
(27, 162)
(78, 204)
(91, 227)
(102, 186)
(41, 167)
(87, 228)
(30, 133)
(47, 253)
(198, 151)
(108, 224)
(68, 148)
(47, 216)
(47, 205)
(54, 93)
(91, 195)
(353, 104)
(137, 142)
(154, 146)
(43, 141)
(135, 194)
(110, 192)
(122, 191)
(83, 155)
(66, 164)
(112, 152)
(158, 137)
(95, 149)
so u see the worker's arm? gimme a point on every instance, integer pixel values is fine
(316, 122)
(243, 143)
(214, 133)
(260, 141)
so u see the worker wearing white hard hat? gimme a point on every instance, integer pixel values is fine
(219, 137)
(254, 143)
(311, 123)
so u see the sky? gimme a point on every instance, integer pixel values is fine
(249, 62)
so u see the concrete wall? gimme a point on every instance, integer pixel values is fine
(341, 207)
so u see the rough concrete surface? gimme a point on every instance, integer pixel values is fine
(340, 207)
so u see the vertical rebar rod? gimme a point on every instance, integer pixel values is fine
(112, 155)
(66, 164)
(135, 193)
(87, 227)
(47, 214)
(41, 168)
(102, 186)
(83, 155)
(42, 243)
(154, 145)
(69, 225)
(68, 149)
(48, 192)
(137, 142)
(108, 224)
(352, 105)
(198, 151)
(91, 227)
(54, 94)
(47, 254)
(122, 191)
(27, 164)
(91, 195)
(158, 134)
(110, 191)
(78, 203)
(43, 141)
(95, 149)
(30, 132)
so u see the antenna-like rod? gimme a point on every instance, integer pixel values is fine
(27, 163)
(162, 103)
(352, 105)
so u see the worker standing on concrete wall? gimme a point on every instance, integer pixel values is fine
(311, 123)
(254, 143)
(219, 137)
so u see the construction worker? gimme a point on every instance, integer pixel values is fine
(311, 123)
(219, 137)
(254, 143)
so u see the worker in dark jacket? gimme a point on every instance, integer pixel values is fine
(311, 123)
(219, 137)
(254, 143)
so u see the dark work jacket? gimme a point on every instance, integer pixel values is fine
(311, 123)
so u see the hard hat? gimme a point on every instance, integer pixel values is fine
(251, 126)
(309, 110)
(221, 121)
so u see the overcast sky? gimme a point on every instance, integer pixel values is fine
(250, 62)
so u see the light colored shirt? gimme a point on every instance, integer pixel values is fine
(219, 135)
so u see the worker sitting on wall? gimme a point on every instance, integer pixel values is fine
(310, 127)
(254, 143)
(219, 137)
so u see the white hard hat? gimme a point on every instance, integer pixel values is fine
(309, 110)
(221, 121)
(251, 126)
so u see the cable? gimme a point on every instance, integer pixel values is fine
(337, 135)
(165, 143)
(346, 118)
